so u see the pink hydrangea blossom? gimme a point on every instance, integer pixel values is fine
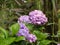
(37, 17)
(31, 38)
(23, 31)
(34, 17)
(58, 44)
(24, 18)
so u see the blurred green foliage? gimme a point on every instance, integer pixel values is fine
(10, 10)
(9, 37)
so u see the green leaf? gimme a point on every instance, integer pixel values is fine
(14, 28)
(50, 23)
(19, 38)
(30, 26)
(4, 31)
(7, 41)
(41, 28)
(45, 42)
(40, 35)
(2, 42)
(2, 35)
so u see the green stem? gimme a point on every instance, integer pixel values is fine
(38, 4)
(53, 3)
(59, 30)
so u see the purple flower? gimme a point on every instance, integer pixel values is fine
(31, 38)
(37, 17)
(23, 30)
(24, 18)
(58, 44)
(22, 26)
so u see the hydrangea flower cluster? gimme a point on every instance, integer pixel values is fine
(25, 32)
(35, 17)
(31, 38)
(24, 18)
